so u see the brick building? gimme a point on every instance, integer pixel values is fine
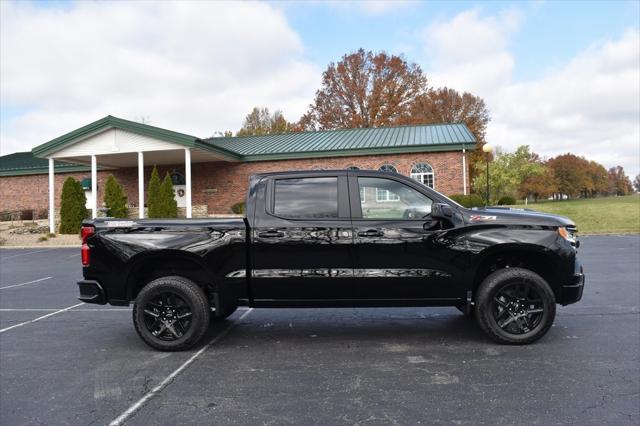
(210, 175)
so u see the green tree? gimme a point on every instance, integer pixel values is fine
(168, 203)
(72, 207)
(507, 172)
(153, 195)
(114, 198)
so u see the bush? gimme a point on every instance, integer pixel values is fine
(153, 195)
(72, 207)
(114, 198)
(161, 199)
(468, 201)
(507, 200)
(168, 198)
(239, 208)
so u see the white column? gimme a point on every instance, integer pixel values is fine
(464, 171)
(141, 185)
(52, 199)
(187, 175)
(94, 186)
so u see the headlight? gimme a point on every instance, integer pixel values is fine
(570, 234)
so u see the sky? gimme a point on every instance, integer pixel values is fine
(557, 76)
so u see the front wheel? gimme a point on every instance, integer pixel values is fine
(171, 314)
(515, 306)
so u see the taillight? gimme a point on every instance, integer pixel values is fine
(85, 233)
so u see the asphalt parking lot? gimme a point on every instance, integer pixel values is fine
(85, 365)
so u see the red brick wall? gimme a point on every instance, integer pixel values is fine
(220, 185)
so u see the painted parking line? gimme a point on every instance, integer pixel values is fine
(122, 418)
(22, 254)
(59, 311)
(28, 282)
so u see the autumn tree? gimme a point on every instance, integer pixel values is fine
(636, 183)
(619, 182)
(446, 105)
(261, 122)
(540, 184)
(364, 89)
(571, 174)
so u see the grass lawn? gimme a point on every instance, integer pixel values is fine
(607, 215)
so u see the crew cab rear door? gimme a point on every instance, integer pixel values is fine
(302, 240)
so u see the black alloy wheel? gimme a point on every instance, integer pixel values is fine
(518, 308)
(515, 306)
(167, 316)
(171, 313)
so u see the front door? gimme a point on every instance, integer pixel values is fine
(302, 240)
(395, 256)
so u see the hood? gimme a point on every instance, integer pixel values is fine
(514, 216)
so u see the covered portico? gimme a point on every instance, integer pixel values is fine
(112, 143)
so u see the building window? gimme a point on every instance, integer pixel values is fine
(353, 168)
(382, 195)
(388, 168)
(423, 173)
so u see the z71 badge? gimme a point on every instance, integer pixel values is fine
(480, 218)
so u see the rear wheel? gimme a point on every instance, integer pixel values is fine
(515, 306)
(171, 313)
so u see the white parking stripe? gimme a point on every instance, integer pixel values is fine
(41, 318)
(22, 254)
(163, 384)
(28, 282)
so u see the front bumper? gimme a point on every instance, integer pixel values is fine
(91, 292)
(572, 293)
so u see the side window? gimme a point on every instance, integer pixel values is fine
(398, 202)
(305, 198)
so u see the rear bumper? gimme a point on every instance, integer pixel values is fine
(572, 292)
(91, 292)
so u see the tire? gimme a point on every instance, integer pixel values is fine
(515, 306)
(171, 314)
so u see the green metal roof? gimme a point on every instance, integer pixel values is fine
(333, 143)
(329, 143)
(24, 163)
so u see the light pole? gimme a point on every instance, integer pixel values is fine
(487, 148)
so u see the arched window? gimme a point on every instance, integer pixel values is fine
(388, 168)
(423, 173)
(353, 168)
(382, 195)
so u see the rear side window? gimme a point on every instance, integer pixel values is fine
(306, 198)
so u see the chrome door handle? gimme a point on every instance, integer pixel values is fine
(370, 233)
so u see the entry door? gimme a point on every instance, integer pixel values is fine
(302, 240)
(395, 255)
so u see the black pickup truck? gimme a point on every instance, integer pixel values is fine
(344, 238)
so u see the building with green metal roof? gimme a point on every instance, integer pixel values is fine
(211, 174)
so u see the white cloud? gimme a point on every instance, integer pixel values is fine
(195, 67)
(588, 106)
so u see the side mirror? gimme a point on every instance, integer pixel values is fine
(441, 211)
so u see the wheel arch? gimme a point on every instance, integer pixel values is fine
(535, 258)
(148, 266)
